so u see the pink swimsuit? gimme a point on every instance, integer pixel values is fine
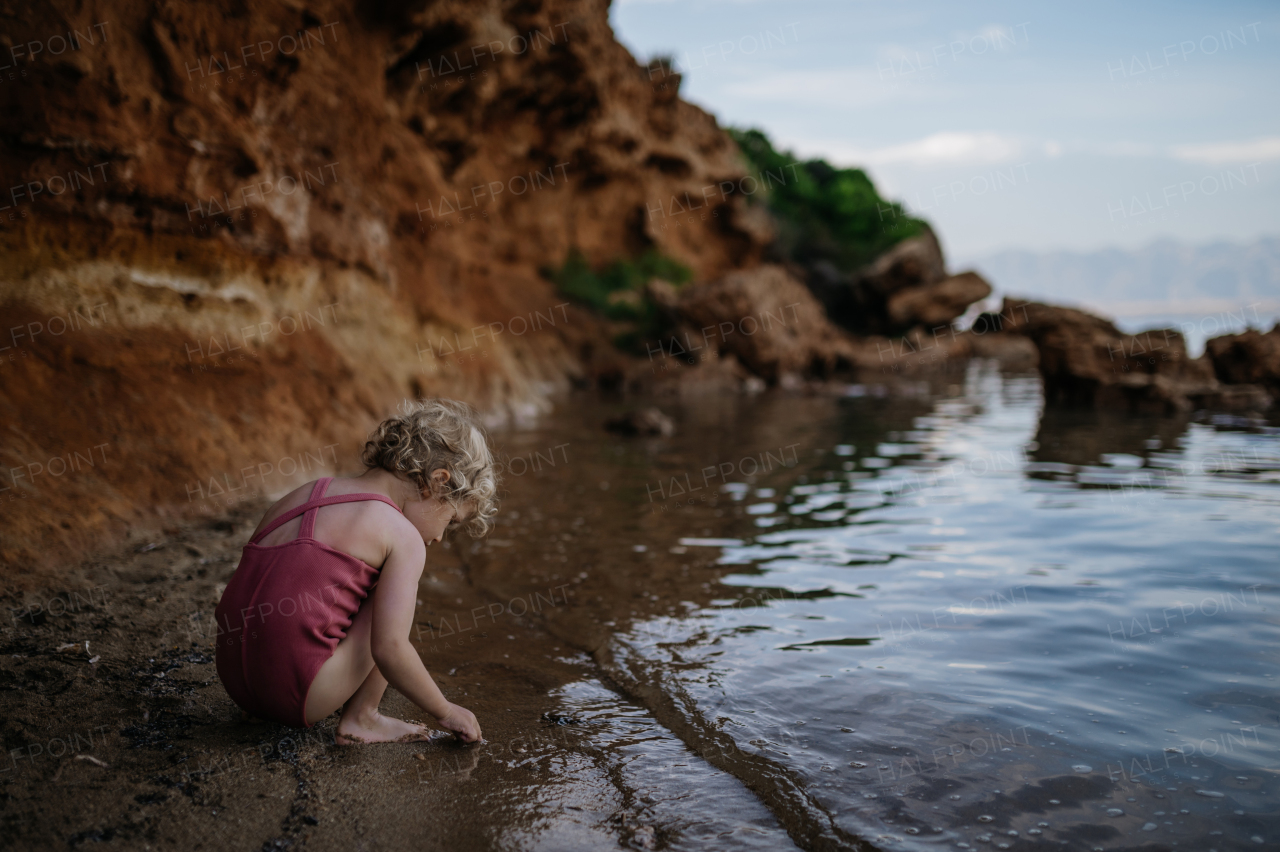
(284, 612)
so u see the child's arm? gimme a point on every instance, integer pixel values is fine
(394, 601)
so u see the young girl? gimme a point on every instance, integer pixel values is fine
(318, 613)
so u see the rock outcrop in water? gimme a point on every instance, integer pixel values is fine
(764, 317)
(236, 235)
(907, 287)
(1086, 361)
(1249, 358)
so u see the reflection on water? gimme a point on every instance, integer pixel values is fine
(950, 620)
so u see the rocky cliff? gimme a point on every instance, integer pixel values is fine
(234, 235)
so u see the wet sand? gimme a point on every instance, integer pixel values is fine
(134, 744)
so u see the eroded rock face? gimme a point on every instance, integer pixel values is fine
(764, 317)
(1086, 361)
(907, 287)
(283, 219)
(916, 262)
(1249, 358)
(936, 304)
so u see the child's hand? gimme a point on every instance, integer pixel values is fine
(462, 722)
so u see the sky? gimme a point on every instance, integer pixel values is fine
(1008, 125)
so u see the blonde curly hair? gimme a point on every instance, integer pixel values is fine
(440, 434)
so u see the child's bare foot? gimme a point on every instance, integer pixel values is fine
(376, 728)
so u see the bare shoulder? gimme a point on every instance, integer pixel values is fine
(380, 535)
(377, 513)
(292, 500)
(371, 530)
(381, 517)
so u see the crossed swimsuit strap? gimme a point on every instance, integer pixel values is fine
(312, 507)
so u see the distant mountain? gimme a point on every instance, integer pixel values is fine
(1165, 272)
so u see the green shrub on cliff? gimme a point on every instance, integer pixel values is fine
(618, 288)
(823, 212)
(617, 291)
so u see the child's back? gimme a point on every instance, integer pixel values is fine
(291, 602)
(321, 605)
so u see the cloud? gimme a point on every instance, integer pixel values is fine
(838, 88)
(930, 53)
(1121, 148)
(1217, 153)
(949, 148)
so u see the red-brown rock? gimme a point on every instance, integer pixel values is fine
(1085, 360)
(937, 304)
(905, 288)
(201, 179)
(764, 317)
(914, 262)
(1248, 358)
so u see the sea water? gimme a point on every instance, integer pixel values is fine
(940, 616)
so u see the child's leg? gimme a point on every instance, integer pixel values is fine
(343, 673)
(350, 677)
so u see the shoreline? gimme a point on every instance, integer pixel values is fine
(157, 757)
(520, 627)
